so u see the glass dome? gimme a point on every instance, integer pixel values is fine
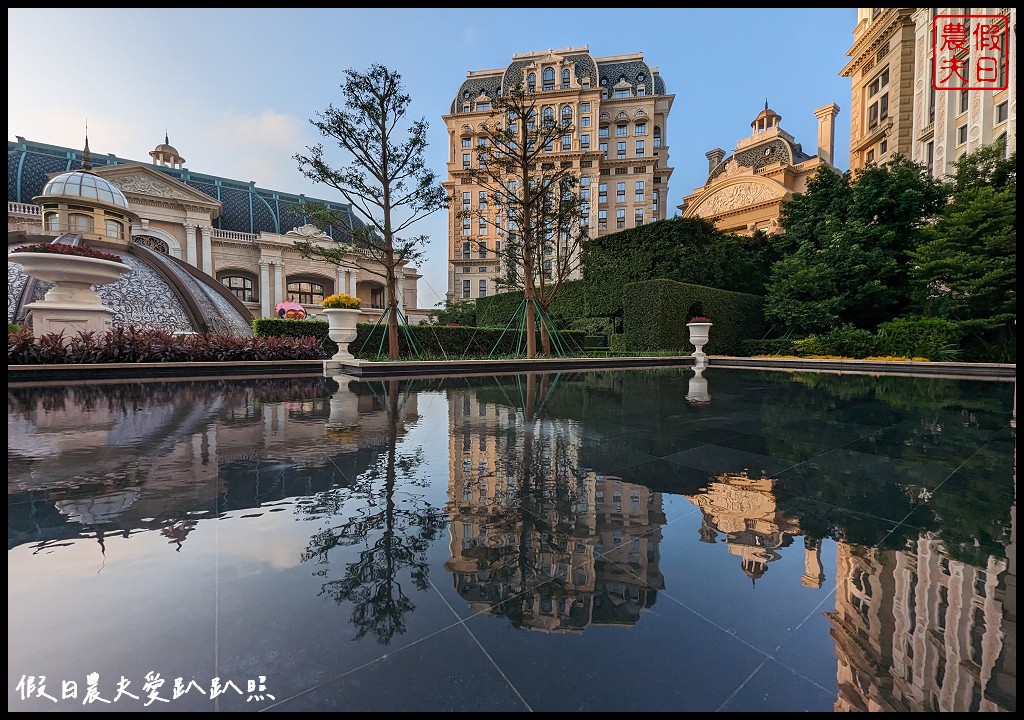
(85, 185)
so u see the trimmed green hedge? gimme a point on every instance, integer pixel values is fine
(279, 327)
(655, 314)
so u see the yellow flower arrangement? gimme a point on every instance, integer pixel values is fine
(342, 301)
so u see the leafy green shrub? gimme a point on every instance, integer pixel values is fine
(13, 328)
(777, 346)
(844, 341)
(930, 337)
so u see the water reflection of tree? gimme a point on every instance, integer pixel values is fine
(395, 528)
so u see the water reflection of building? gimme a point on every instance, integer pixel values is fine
(916, 631)
(746, 511)
(105, 459)
(553, 546)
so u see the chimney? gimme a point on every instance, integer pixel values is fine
(827, 131)
(714, 157)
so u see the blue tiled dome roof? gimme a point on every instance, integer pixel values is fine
(246, 207)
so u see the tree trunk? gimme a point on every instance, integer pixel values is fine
(545, 338)
(392, 307)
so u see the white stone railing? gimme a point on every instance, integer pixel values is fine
(17, 208)
(235, 236)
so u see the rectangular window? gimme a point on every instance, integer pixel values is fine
(620, 192)
(870, 156)
(465, 250)
(640, 128)
(482, 200)
(654, 201)
(638, 217)
(929, 157)
(638, 191)
(1002, 112)
(585, 141)
(466, 284)
(466, 196)
(620, 150)
(481, 226)
(639, 148)
(466, 142)
(566, 143)
(585, 121)
(465, 161)
(964, 100)
(584, 193)
(602, 132)
(585, 107)
(481, 269)
(621, 130)
(603, 147)
(482, 288)
(482, 251)
(620, 218)
(961, 135)
(602, 192)
(883, 148)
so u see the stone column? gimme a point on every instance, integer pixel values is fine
(827, 131)
(279, 294)
(207, 231)
(265, 309)
(341, 283)
(190, 244)
(354, 280)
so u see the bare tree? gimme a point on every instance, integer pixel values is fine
(538, 207)
(386, 181)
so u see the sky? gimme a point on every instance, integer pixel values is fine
(236, 90)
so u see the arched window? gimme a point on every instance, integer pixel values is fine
(114, 229)
(307, 293)
(242, 287)
(565, 79)
(531, 82)
(549, 78)
(549, 116)
(52, 222)
(79, 223)
(566, 115)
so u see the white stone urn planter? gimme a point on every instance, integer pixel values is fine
(72, 304)
(341, 328)
(699, 331)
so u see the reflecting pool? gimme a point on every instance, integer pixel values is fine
(646, 540)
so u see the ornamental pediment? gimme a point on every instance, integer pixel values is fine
(735, 196)
(141, 180)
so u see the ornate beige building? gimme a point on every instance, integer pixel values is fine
(745, 191)
(895, 106)
(186, 216)
(619, 108)
(948, 124)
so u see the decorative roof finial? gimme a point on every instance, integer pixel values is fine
(166, 141)
(766, 103)
(86, 156)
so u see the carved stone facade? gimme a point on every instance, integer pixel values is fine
(895, 106)
(745, 191)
